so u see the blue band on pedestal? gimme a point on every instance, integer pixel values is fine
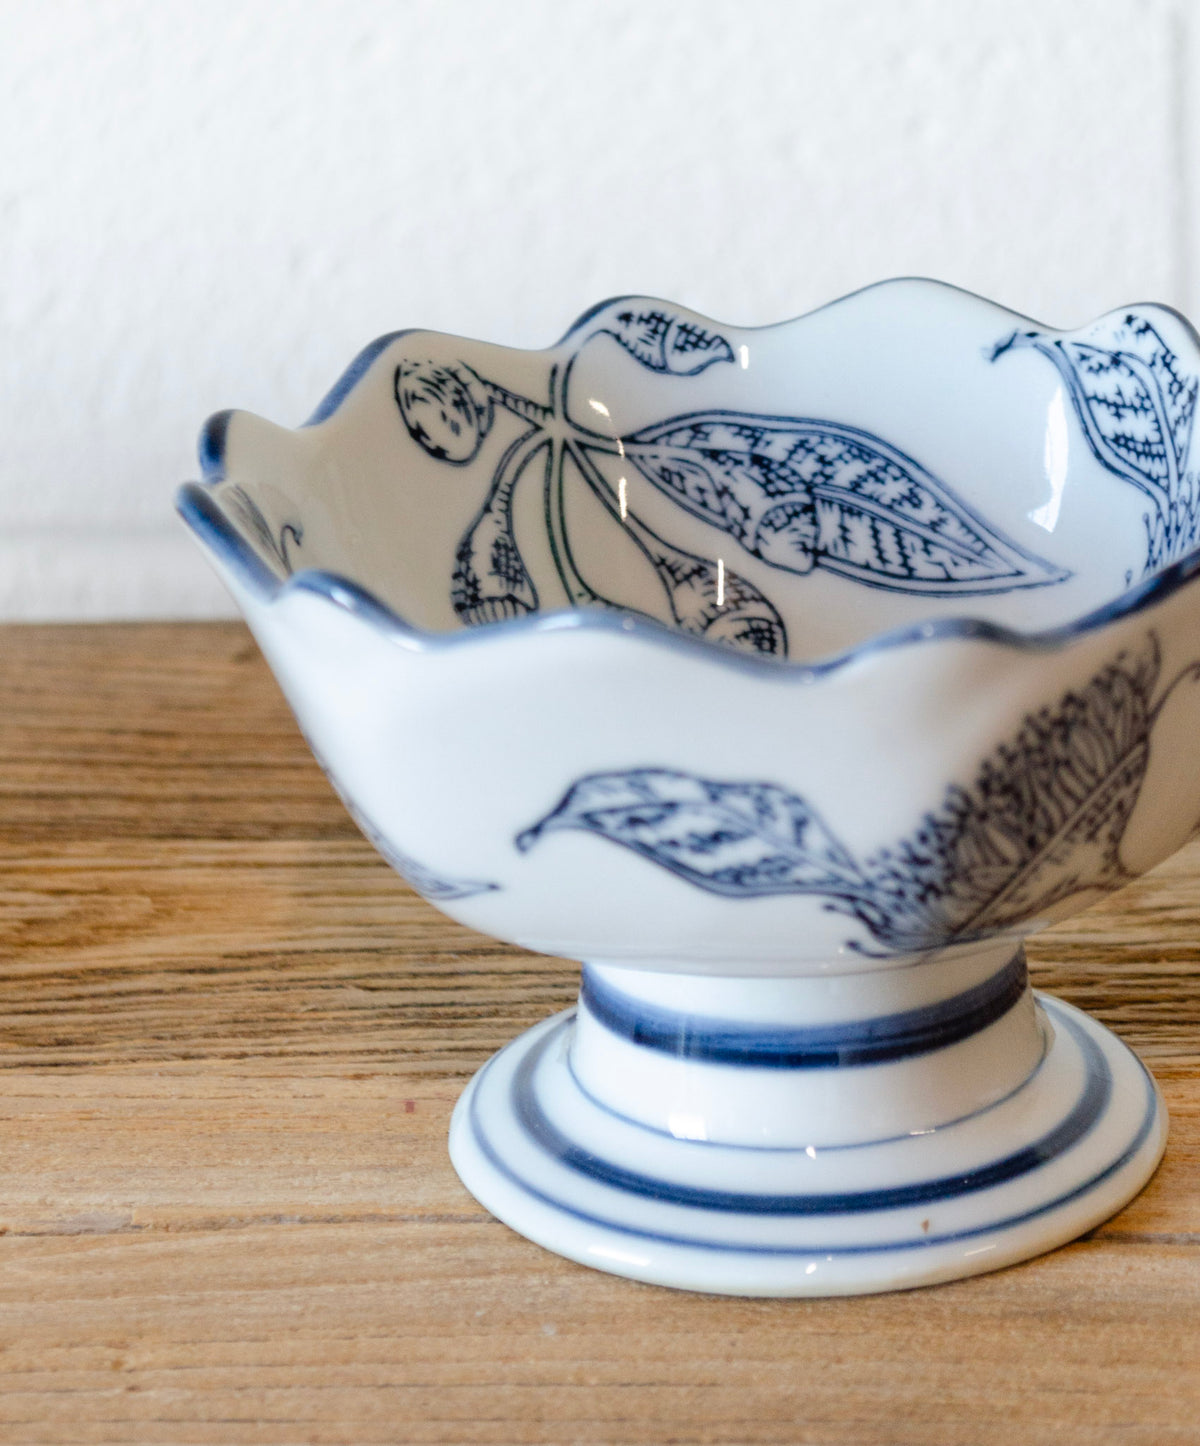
(1073, 1128)
(825, 1046)
(1078, 1121)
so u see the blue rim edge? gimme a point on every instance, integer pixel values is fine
(202, 514)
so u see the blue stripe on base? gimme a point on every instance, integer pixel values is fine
(828, 1046)
(1091, 1052)
(1087, 1110)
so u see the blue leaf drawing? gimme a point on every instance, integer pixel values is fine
(1135, 407)
(277, 544)
(490, 582)
(802, 494)
(1136, 404)
(740, 839)
(1042, 822)
(705, 598)
(423, 879)
(447, 409)
(719, 605)
(663, 341)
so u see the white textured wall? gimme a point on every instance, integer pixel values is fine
(206, 203)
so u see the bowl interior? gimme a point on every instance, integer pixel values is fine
(906, 454)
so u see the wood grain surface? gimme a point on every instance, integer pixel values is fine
(230, 1040)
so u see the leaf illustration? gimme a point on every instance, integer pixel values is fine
(424, 880)
(447, 409)
(712, 601)
(1135, 406)
(251, 514)
(663, 341)
(1043, 820)
(490, 581)
(705, 597)
(738, 839)
(801, 494)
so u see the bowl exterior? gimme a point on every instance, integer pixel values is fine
(864, 1094)
(612, 796)
(596, 783)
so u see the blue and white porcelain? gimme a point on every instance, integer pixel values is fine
(787, 678)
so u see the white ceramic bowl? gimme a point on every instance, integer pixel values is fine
(788, 678)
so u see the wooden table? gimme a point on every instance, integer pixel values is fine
(231, 1039)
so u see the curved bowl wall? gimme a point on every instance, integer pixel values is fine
(999, 730)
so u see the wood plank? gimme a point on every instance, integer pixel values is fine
(230, 1040)
(151, 731)
(443, 1332)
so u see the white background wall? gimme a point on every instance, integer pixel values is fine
(207, 203)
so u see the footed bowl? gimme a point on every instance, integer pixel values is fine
(787, 678)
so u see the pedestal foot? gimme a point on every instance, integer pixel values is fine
(1061, 1153)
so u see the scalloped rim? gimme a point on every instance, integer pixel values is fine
(212, 528)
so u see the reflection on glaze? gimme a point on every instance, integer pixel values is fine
(1136, 403)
